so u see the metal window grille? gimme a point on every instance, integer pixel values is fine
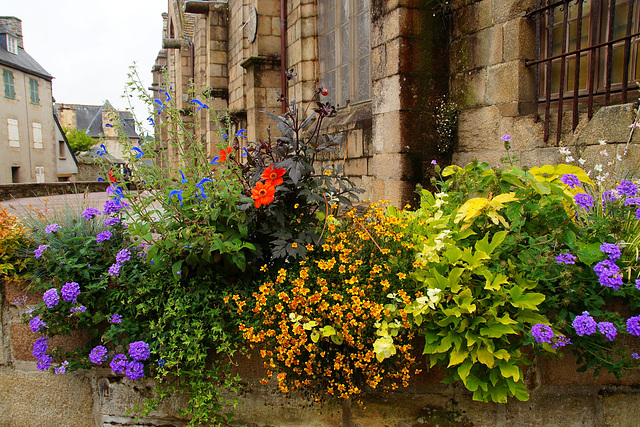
(586, 53)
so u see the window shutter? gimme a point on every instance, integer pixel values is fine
(14, 134)
(37, 135)
(39, 174)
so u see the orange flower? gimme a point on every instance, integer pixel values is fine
(224, 153)
(263, 194)
(273, 176)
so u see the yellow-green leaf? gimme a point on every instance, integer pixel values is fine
(485, 357)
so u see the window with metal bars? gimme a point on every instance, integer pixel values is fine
(586, 52)
(344, 50)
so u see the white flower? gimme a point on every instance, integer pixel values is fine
(598, 167)
(569, 159)
(619, 157)
(604, 153)
(582, 161)
(564, 151)
(602, 142)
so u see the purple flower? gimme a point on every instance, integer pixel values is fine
(114, 270)
(134, 370)
(89, 213)
(113, 206)
(52, 228)
(638, 284)
(36, 324)
(62, 368)
(560, 341)
(627, 188)
(44, 362)
(40, 347)
(434, 162)
(111, 221)
(584, 324)
(118, 363)
(633, 326)
(635, 356)
(566, 258)
(70, 292)
(608, 330)
(123, 255)
(583, 200)
(51, 298)
(103, 235)
(542, 333)
(637, 214)
(571, 180)
(609, 196)
(116, 318)
(612, 250)
(506, 137)
(632, 201)
(80, 308)
(98, 354)
(608, 274)
(41, 248)
(139, 350)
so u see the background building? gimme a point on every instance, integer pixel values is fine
(33, 150)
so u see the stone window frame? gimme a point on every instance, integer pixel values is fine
(9, 84)
(335, 24)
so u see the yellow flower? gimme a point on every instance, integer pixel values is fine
(296, 206)
(294, 245)
(402, 276)
(264, 268)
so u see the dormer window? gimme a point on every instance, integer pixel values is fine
(12, 44)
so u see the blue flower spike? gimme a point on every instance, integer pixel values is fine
(100, 179)
(201, 104)
(239, 134)
(215, 160)
(224, 135)
(183, 180)
(160, 105)
(200, 186)
(103, 151)
(109, 125)
(178, 194)
(244, 152)
(140, 152)
(164, 92)
(151, 122)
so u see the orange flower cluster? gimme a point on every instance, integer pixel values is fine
(264, 193)
(316, 321)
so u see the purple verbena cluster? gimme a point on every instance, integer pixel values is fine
(115, 319)
(52, 228)
(98, 354)
(62, 368)
(134, 370)
(633, 325)
(583, 200)
(571, 180)
(566, 258)
(103, 236)
(51, 298)
(113, 206)
(36, 323)
(627, 188)
(89, 213)
(38, 252)
(70, 292)
(542, 333)
(608, 274)
(118, 363)
(111, 221)
(139, 350)
(39, 351)
(611, 250)
(608, 330)
(584, 324)
(79, 309)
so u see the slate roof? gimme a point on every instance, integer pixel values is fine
(89, 118)
(22, 61)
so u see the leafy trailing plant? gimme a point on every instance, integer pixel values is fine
(12, 239)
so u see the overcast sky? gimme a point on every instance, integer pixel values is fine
(88, 45)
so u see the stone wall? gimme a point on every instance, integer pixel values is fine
(490, 42)
(16, 191)
(559, 395)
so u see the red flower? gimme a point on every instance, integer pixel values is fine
(224, 153)
(273, 177)
(263, 194)
(324, 92)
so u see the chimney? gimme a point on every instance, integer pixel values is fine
(15, 26)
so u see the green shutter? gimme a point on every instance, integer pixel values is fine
(8, 84)
(35, 96)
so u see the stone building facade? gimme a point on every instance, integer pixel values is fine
(388, 65)
(32, 147)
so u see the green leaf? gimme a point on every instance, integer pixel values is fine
(497, 330)
(541, 187)
(529, 300)
(464, 369)
(510, 370)
(485, 356)
(457, 356)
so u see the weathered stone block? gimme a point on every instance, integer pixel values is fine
(469, 89)
(386, 94)
(519, 36)
(504, 10)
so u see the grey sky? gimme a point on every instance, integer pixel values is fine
(88, 46)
